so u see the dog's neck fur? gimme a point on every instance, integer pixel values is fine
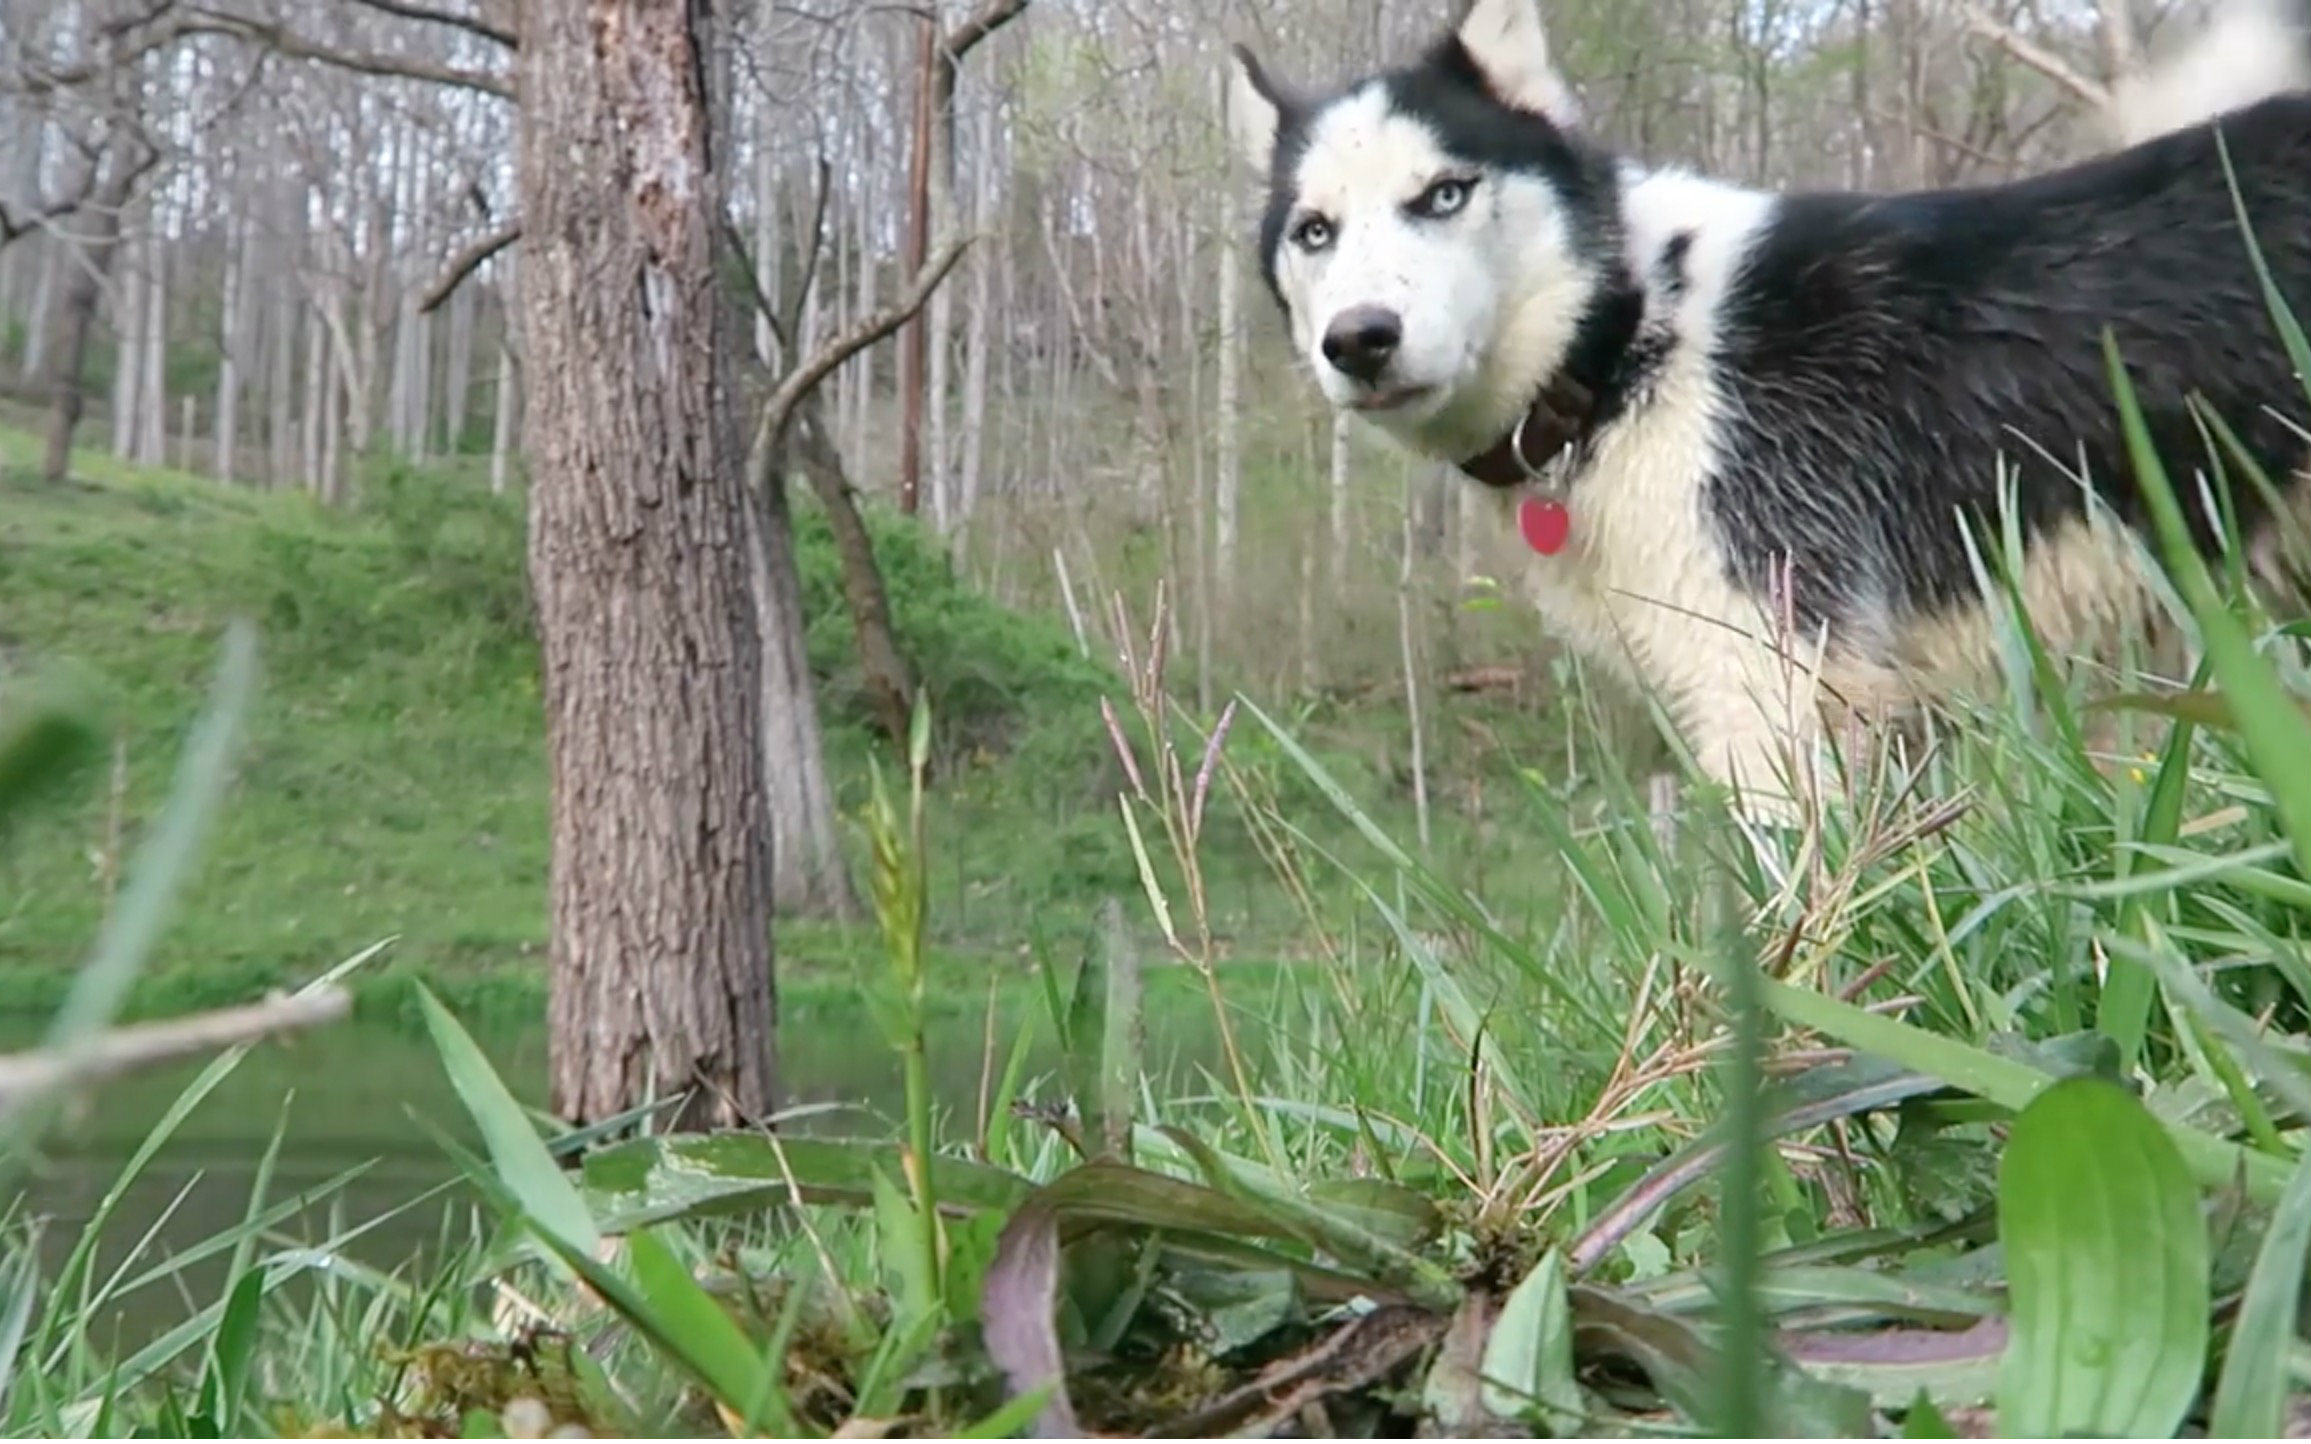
(1680, 236)
(1585, 387)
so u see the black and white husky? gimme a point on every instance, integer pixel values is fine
(1760, 442)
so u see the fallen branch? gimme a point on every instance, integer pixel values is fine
(464, 264)
(822, 363)
(149, 1045)
(2034, 55)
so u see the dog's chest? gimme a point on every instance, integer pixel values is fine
(1642, 578)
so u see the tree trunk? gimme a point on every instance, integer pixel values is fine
(890, 688)
(642, 568)
(152, 413)
(128, 304)
(1230, 403)
(457, 385)
(240, 241)
(809, 878)
(99, 223)
(316, 398)
(971, 443)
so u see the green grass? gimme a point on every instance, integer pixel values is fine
(2032, 1017)
(395, 781)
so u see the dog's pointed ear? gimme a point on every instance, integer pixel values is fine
(1256, 109)
(1510, 47)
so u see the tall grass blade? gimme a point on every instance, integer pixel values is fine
(164, 861)
(2251, 1397)
(525, 1167)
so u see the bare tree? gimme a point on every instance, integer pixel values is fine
(931, 191)
(118, 155)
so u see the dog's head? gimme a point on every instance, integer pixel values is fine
(1435, 232)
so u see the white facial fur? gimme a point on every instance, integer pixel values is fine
(1487, 296)
(1459, 284)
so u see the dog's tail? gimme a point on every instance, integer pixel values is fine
(2250, 51)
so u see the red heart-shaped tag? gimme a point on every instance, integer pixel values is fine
(1544, 523)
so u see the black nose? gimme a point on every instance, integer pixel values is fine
(1360, 341)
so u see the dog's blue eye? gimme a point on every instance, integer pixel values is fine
(1312, 234)
(1442, 199)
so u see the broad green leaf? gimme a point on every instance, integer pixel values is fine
(734, 1370)
(2213, 1162)
(2251, 1398)
(1337, 1231)
(1854, 1293)
(1528, 1362)
(1403, 1217)
(898, 1237)
(674, 1176)
(1188, 1248)
(1238, 1306)
(1682, 1366)
(525, 1166)
(678, 1335)
(2107, 1271)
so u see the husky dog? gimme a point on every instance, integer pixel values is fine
(1764, 443)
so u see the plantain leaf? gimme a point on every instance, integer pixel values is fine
(684, 1175)
(1528, 1362)
(2107, 1269)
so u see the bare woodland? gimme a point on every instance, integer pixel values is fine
(981, 261)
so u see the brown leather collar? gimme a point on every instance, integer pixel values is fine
(1558, 417)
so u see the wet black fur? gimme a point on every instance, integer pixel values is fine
(1878, 353)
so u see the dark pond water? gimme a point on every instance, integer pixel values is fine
(373, 1093)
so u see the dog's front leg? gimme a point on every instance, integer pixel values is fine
(1755, 727)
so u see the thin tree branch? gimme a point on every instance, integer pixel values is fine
(471, 24)
(170, 26)
(754, 287)
(464, 264)
(151, 1045)
(977, 26)
(92, 191)
(870, 329)
(818, 227)
(361, 62)
(2033, 55)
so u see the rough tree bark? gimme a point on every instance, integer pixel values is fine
(808, 876)
(639, 559)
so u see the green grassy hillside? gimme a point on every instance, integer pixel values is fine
(395, 783)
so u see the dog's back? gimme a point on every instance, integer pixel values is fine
(1903, 345)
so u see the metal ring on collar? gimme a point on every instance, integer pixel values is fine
(1517, 448)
